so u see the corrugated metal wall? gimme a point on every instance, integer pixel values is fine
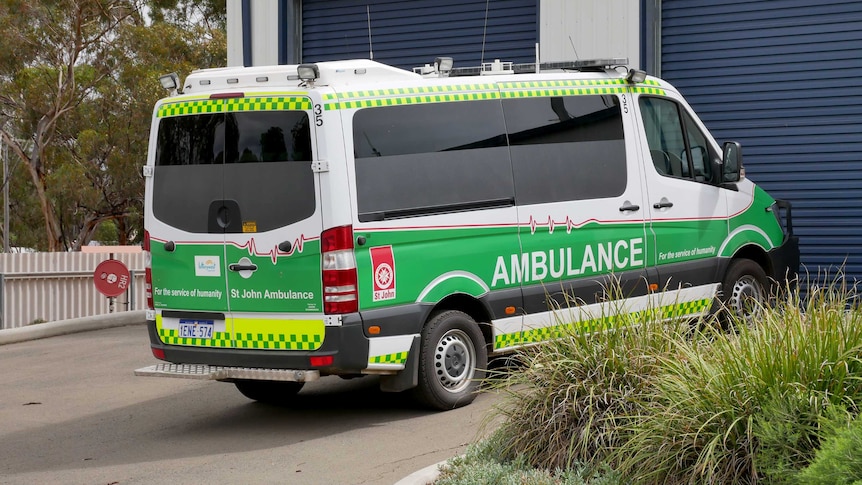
(57, 286)
(410, 34)
(783, 77)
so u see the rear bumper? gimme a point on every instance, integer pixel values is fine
(346, 344)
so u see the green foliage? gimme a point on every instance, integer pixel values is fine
(483, 464)
(575, 396)
(839, 461)
(76, 97)
(661, 404)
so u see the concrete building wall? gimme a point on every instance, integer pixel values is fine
(234, 33)
(264, 20)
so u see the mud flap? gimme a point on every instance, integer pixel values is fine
(407, 378)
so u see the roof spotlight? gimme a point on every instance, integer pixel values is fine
(636, 76)
(171, 82)
(443, 64)
(308, 72)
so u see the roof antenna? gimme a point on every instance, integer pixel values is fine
(484, 31)
(370, 50)
(577, 57)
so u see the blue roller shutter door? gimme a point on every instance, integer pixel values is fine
(411, 33)
(783, 78)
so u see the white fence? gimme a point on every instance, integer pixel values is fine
(44, 287)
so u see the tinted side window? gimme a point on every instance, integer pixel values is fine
(260, 160)
(431, 158)
(677, 146)
(566, 148)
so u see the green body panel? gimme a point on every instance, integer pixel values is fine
(755, 225)
(290, 284)
(450, 284)
(493, 255)
(565, 253)
(420, 256)
(175, 285)
(681, 241)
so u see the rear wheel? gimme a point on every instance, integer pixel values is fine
(744, 291)
(452, 360)
(271, 392)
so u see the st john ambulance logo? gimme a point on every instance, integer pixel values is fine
(383, 264)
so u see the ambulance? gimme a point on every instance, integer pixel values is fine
(350, 218)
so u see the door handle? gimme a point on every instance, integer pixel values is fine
(663, 204)
(628, 206)
(242, 267)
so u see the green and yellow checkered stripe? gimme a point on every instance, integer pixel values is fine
(277, 334)
(412, 95)
(603, 323)
(255, 333)
(576, 87)
(270, 103)
(171, 337)
(397, 101)
(278, 341)
(397, 358)
(475, 92)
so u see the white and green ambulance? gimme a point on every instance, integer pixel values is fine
(350, 218)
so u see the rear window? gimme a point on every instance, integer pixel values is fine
(256, 164)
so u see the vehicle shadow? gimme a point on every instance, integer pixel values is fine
(206, 420)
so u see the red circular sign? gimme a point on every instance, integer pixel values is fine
(112, 277)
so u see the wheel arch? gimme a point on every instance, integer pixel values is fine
(754, 253)
(475, 308)
(471, 306)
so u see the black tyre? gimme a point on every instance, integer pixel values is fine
(745, 291)
(271, 392)
(452, 361)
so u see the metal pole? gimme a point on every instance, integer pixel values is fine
(130, 292)
(5, 153)
(2, 308)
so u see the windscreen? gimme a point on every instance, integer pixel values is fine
(261, 161)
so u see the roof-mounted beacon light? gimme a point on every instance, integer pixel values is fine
(636, 76)
(443, 65)
(308, 72)
(171, 82)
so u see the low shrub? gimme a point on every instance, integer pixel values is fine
(838, 461)
(483, 464)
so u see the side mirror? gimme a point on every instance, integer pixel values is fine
(731, 162)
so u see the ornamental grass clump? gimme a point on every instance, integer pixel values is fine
(668, 401)
(746, 406)
(572, 399)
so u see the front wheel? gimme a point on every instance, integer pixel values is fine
(744, 291)
(270, 392)
(452, 360)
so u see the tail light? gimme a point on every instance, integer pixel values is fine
(338, 264)
(148, 271)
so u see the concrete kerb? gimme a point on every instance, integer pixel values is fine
(424, 476)
(73, 325)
